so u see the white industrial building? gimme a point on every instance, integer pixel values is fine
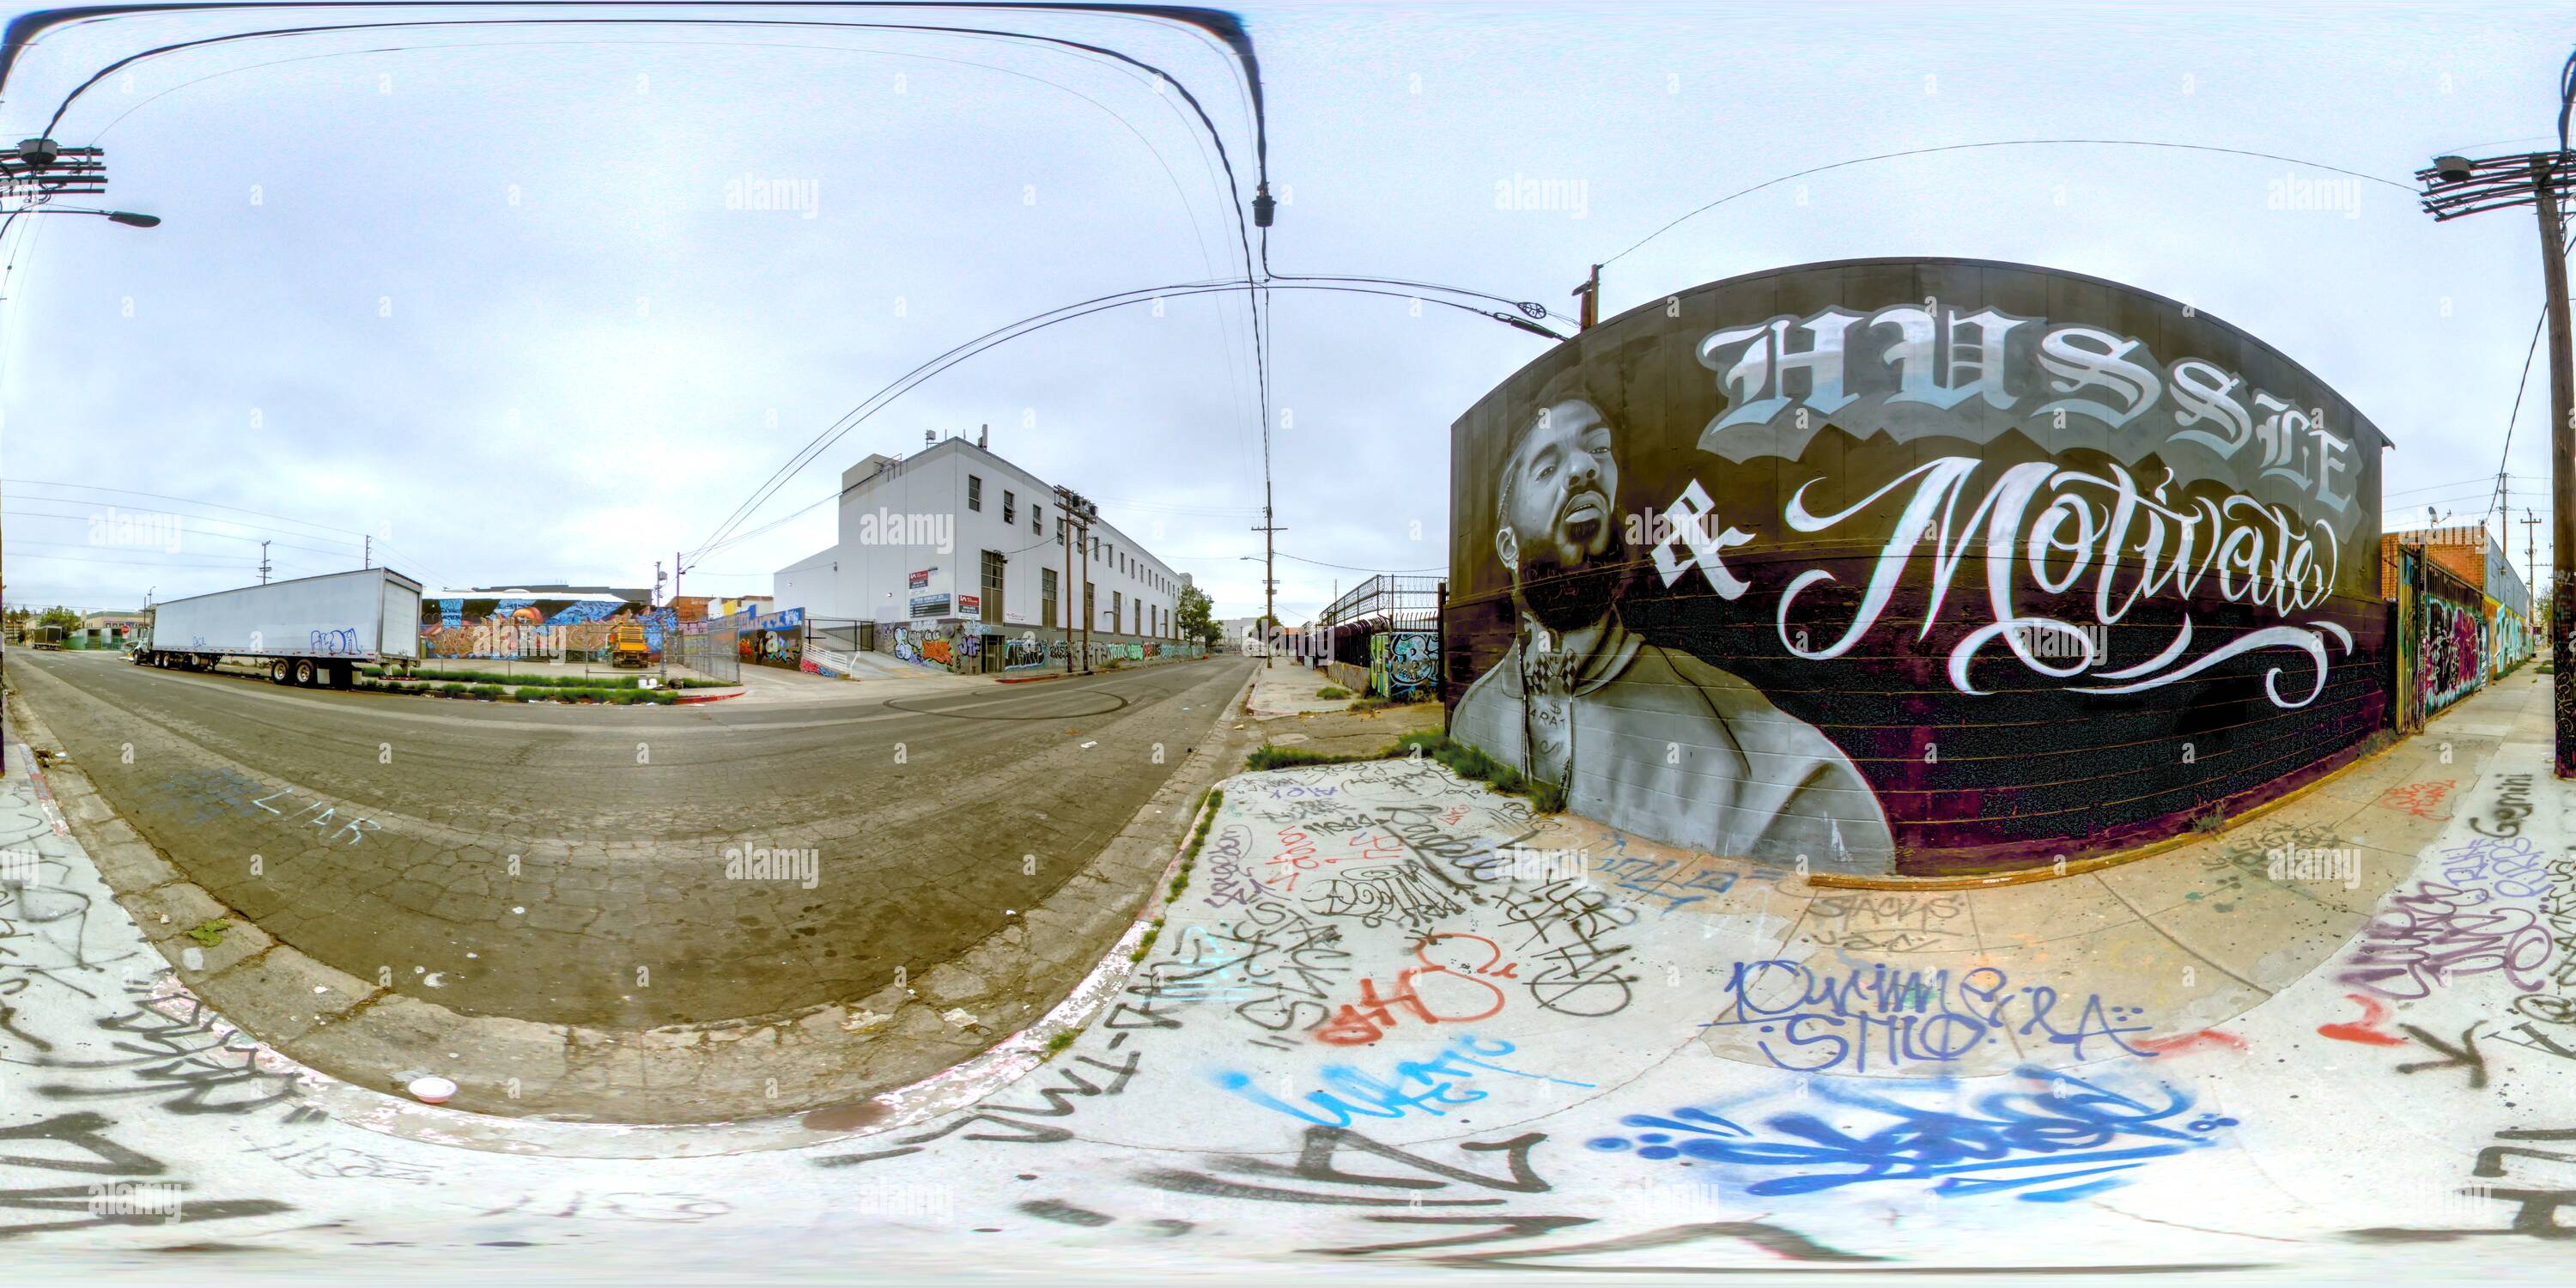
(955, 535)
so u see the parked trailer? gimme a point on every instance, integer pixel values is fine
(311, 631)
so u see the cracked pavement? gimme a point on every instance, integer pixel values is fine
(569, 865)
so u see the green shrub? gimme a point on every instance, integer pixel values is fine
(487, 691)
(1272, 756)
(1332, 691)
(1146, 945)
(210, 932)
(451, 690)
(1467, 762)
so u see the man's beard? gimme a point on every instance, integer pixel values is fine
(1568, 597)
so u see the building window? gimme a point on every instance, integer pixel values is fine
(1036, 511)
(991, 609)
(1046, 585)
(974, 493)
(1117, 610)
(1086, 606)
(1010, 506)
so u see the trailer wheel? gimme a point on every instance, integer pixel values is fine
(277, 671)
(304, 672)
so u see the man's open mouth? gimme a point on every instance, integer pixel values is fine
(1583, 515)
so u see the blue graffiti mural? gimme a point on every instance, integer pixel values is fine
(657, 624)
(1828, 1022)
(2069, 1139)
(1402, 665)
(589, 610)
(1430, 1086)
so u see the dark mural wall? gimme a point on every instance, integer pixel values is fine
(1928, 567)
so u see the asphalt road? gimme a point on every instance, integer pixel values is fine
(570, 865)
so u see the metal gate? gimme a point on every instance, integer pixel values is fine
(713, 652)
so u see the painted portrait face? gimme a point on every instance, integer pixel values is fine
(1558, 526)
(1557, 509)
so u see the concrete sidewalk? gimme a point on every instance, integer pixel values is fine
(1285, 687)
(1392, 1018)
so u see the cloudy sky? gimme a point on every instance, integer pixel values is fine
(544, 303)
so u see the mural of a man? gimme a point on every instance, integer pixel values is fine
(1648, 739)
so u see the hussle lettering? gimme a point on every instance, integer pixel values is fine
(2063, 529)
(1940, 359)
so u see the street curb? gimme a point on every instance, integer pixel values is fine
(755, 1074)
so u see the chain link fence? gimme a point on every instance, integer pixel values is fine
(711, 650)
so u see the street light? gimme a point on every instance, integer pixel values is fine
(125, 217)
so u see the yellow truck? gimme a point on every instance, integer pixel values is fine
(627, 646)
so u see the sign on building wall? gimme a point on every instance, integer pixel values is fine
(1915, 566)
(929, 593)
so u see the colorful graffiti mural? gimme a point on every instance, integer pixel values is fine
(961, 648)
(2449, 653)
(507, 628)
(774, 639)
(1023, 652)
(1403, 665)
(1907, 534)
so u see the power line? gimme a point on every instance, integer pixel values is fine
(221, 536)
(161, 496)
(1997, 143)
(2436, 487)
(1349, 568)
(879, 400)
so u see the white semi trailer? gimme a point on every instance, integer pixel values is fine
(313, 631)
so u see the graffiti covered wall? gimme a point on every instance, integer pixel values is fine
(516, 628)
(773, 639)
(1929, 567)
(1403, 666)
(962, 647)
(2450, 648)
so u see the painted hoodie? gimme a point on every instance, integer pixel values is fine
(1654, 741)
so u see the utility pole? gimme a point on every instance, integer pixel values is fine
(2530, 557)
(1590, 294)
(676, 570)
(263, 563)
(367, 552)
(1269, 579)
(2456, 186)
(2562, 465)
(657, 582)
(1086, 596)
(1064, 592)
